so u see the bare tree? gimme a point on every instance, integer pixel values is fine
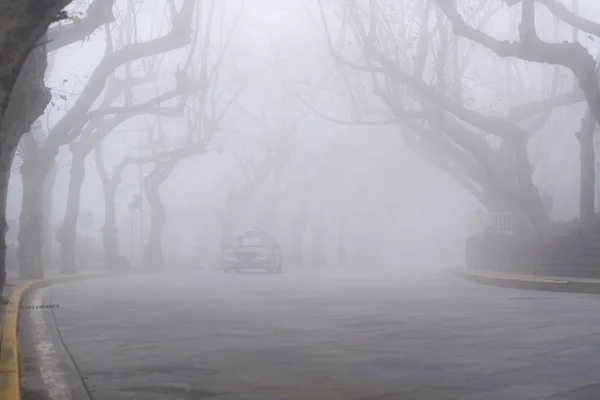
(571, 55)
(208, 106)
(164, 165)
(411, 79)
(76, 121)
(275, 158)
(23, 95)
(260, 157)
(222, 87)
(95, 131)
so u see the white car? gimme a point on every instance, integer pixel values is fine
(253, 249)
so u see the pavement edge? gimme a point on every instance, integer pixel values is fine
(10, 367)
(547, 284)
(10, 373)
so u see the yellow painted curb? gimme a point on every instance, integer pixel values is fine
(10, 373)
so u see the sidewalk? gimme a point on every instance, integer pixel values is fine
(530, 282)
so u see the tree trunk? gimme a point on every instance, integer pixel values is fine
(342, 249)
(357, 257)
(226, 233)
(29, 100)
(358, 242)
(31, 223)
(318, 258)
(158, 221)
(535, 209)
(380, 235)
(154, 256)
(519, 193)
(379, 247)
(67, 234)
(8, 144)
(587, 190)
(271, 203)
(110, 232)
(38, 173)
(298, 230)
(48, 203)
(371, 245)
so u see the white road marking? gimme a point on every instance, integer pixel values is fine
(52, 374)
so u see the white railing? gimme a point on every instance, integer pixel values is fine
(503, 223)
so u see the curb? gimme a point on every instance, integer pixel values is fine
(546, 284)
(10, 371)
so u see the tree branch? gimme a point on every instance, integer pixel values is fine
(561, 12)
(356, 122)
(531, 48)
(522, 112)
(99, 13)
(178, 37)
(497, 126)
(143, 108)
(100, 165)
(188, 150)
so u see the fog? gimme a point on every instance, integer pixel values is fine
(305, 200)
(274, 124)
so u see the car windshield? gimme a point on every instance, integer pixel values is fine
(254, 240)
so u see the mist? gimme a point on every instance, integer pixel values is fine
(274, 81)
(304, 199)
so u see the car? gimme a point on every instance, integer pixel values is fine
(253, 249)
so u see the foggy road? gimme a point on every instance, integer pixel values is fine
(320, 335)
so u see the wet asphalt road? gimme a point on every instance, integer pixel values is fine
(326, 335)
